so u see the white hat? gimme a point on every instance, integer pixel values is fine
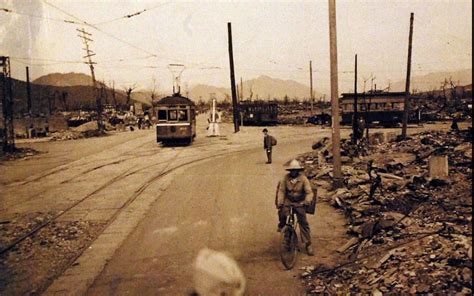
(294, 165)
(217, 274)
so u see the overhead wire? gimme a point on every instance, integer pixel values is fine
(128, 16)
(82, 22)
(7, 10)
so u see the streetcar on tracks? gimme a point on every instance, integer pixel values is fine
(175, 119)
(258, 113)
(377, 107)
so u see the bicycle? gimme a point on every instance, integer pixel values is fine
(289, 239)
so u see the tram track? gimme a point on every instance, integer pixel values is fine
(117, 178)
(67, 166)
(36, 235)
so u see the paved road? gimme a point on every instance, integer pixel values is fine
(225, 204)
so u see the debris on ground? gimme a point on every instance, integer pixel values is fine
(18, 154)
(86, 130)
(29, 267)
(411, 232)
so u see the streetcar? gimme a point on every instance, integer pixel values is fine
(377, 107)
(258, 113)
(175, 119)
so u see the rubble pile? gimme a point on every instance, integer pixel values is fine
(15, 227)
(411, 227)
(86, 130)
(66, 135)
(19, 153)
(292, 114)
(30, 266)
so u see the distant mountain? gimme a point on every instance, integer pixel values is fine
(143, 97)
(64, 79)
(434, 81)
(203, 92)
(59, 97)
(266, 87)
(263, 88)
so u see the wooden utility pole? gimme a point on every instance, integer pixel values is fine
(28, 90)
(232, 80)
(355, 123)
(407, 82)
(89, 53)
(7, 104)
(311, 97)
(241, 89)
(114, 99)
(336, 137)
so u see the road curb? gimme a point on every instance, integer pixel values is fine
(81, 274)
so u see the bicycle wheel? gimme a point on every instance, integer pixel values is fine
(288, 247)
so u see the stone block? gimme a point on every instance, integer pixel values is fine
(438, 167)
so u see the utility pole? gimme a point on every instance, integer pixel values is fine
(89, 53)
(232, 80)
(336, 137)
(355, 123)
(241, 89)
(407, 82)
(7, 105)
(114, 99)
(311, 85)
(237, 92)
(28, 90)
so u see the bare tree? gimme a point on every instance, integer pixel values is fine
(128, 91)
(64, 96)
(153, 91)
(114, 98)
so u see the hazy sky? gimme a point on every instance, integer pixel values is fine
(274, 38)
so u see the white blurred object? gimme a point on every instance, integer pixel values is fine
(215, 273)
(213, 129)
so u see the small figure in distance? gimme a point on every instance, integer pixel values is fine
(268, 143)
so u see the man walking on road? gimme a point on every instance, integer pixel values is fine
(268, 142)
(295, 189)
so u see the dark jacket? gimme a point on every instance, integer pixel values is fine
(267, 142)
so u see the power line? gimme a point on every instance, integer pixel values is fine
(128, 16)
(82, 22)
(6, 10)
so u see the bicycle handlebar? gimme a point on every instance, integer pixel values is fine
(295, 205)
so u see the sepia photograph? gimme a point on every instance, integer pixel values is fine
(236, 147)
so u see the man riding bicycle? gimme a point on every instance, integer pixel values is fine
(295, 189)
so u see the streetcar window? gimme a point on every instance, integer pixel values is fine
(183, 115)
(173, 115)
(161, 114)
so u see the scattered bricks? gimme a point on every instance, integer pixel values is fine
(411, 206)
(391, 136)
(376, 138)
(438, 167)
(367, 229)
